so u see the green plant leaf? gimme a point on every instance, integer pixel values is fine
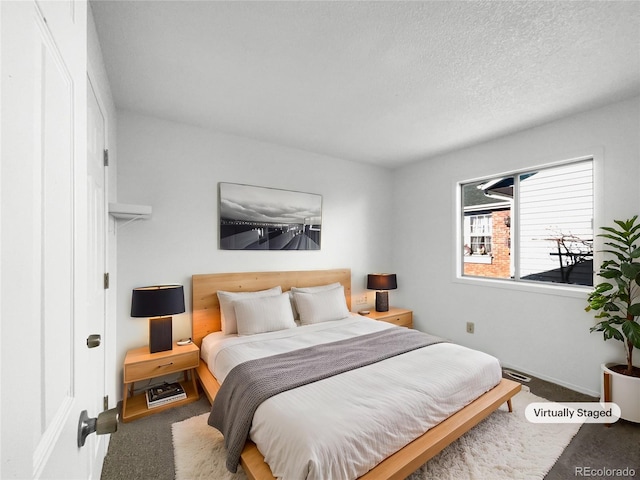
(631, 330)
(634, 309)
(618, 255)
(608, 331)
(618, 238)
(613, 333)
(614, 231)
(609, 263)
(625, 226)
(636, 252)
(597, 301)
(609, 273)
(630, 270)
(603, 287)
(593, 306)
(623, 248)
(623, 284)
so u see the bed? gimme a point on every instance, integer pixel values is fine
(408, 458)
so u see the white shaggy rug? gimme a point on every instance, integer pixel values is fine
(503, 446)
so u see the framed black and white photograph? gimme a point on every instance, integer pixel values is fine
(261, 218)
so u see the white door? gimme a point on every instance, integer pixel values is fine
(96, 259)
(44, 305)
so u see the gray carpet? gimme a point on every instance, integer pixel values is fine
(143, 449)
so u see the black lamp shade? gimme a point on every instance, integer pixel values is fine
(158, 301)
(382, 281)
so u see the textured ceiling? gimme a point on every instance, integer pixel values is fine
(380, 82)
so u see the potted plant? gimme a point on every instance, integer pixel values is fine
(617, 303)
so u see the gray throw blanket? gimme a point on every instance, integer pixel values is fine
(250, 383)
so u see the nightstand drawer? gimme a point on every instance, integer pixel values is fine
(398, 316)
(402, 320)
(160, 366)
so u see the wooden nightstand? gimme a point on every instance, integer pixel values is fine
(140, 365)
(397, 316)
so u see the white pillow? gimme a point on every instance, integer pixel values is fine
(321, 306)
(227, 313)
(315, 289)
(263, 314)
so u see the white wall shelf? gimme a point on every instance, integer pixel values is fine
(128, 212)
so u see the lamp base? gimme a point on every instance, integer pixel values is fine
(160, 334)
(382, 301)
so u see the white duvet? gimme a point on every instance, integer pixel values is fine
(341, 427)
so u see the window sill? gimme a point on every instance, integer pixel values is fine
(480, 259)
(573, 291)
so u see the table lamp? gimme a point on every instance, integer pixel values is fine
(382, 282)
(158, 303)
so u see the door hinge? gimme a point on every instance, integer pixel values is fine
(106, 157)
(106, 281)
(105, 403)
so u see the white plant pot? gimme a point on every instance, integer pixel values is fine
(625, 391)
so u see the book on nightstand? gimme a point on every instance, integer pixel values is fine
(165, 393)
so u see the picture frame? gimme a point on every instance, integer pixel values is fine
(263, 218)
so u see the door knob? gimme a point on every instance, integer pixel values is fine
(106, 422)
(93, 340)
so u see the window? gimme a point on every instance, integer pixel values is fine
(479, 234)
(532, 226)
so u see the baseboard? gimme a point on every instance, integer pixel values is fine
(547, 378)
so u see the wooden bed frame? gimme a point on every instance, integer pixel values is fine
(206, 319)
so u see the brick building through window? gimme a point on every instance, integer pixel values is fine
(554, 224)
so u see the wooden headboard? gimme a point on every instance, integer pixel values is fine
(206, 308)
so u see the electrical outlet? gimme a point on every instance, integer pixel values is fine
(361, 300)
(470, 327)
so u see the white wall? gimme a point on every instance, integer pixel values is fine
(176, 168)
(539, 332)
